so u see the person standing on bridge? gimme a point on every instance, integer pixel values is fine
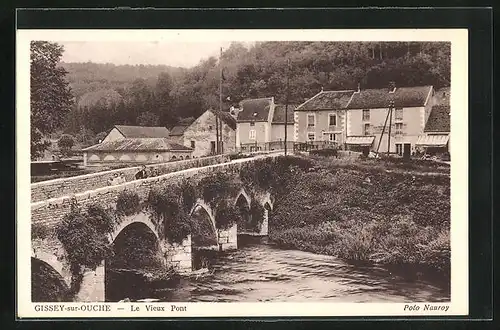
(142, 174)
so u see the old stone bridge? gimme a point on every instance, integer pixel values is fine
(52, 200)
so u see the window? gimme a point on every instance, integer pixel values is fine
(399, 149)
(192, 144)
(210, 127)
(332, 119)
(311, 136)
(366, 115)
(367, 129)
(252, 134)
(252, 123)
(330, 137)
(399, 114)
(399, 128)
(310, 120)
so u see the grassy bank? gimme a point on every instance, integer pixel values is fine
(369, 210)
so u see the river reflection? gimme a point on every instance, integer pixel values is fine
(261, 272)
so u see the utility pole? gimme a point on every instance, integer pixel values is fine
(286, 101)
(220, 105)
(391, 106)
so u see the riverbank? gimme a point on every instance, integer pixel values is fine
(376, 211)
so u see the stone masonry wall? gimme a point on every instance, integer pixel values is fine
(51, 211)
(178, 255)
(228, 239)
(72, 185)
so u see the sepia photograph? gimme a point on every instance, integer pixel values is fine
(241, 170)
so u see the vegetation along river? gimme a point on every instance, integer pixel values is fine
(262, 272)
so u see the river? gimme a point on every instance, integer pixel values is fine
(262, 272)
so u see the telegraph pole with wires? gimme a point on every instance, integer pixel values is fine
(286, 101)
(219, 141)
(391, 106)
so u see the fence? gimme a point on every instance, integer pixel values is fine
(315, 145)
(264, 146)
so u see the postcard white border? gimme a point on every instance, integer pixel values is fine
(459, 172)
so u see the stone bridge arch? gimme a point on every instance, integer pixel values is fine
(47, 283)
(200, 203)
(267, 199)
(53, 261)
(137, 218)
(243, 194)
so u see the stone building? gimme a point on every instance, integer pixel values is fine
(278, 123)
(120, 132)
(135, 144)
(201, 134)
(323, 117)
(136, 150)
(436, 136)
(261, 125)
(367, 112)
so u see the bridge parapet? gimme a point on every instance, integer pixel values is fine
(51, 211)
(73, 185)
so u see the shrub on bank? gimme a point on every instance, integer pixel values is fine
(364, 213)
(399, 241)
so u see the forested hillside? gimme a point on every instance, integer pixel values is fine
(161, 95)
(91, 77)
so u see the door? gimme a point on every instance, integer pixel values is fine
(406, 151)
(366, 151)
(212, 147)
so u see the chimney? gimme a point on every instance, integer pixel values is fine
(392, 86)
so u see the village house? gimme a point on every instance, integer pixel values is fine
(177, 132)
(367, 112)
(278, 125)
(436, 136)
(261, 125)
(323, 117)
(120, 132)
(201, 134)
(135, 144)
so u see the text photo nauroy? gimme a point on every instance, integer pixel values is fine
(266, 171)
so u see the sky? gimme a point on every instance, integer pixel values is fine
(185, 54)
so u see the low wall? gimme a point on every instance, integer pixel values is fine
(72, 185)
(51, 211)
(349, 154)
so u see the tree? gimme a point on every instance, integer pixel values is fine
(50, 94)
(100, 136)
(65, 143)
(148, 119)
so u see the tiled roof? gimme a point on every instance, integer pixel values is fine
(380, 98)
(279, 114)
(439, 119)
(255, 109)
(226, 117)
(138, 144)
(442, 96)
(178, 130)
(142, 131)
(327, 100)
